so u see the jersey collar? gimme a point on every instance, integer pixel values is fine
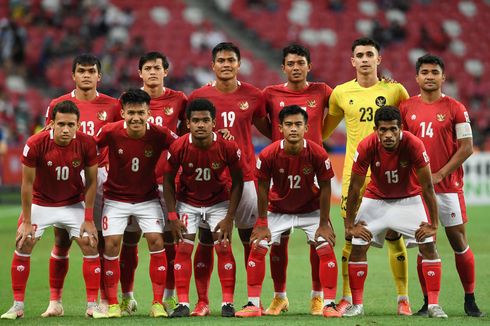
(215, 137)
(73, 93)
(282, 143)
(51, 135)
(147, 125)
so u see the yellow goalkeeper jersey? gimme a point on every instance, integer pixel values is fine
(357, 105)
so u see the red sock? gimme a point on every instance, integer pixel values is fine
(256, 270)
(421, 274)
(316, 283)
(465, 264)
(226, 271)
(183, 270)
(357, 276)
(170, 252)
(203, 267)
(246, 252)
(128, 262)
(278, 259)
(158, 274)
(21, 266)
(432, 275)
(111, 278)
(91, 275)
(103, 294)
(327, 271)
(58, 268)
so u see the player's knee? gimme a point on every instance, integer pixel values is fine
(27, 246)
(155, 241)
(457, 237)
(428, 251)
(358, 253)
(61, 238)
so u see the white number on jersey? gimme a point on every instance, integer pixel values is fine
(429, 132)
(294, 181)
(392, 176)
(62, 173)
(228, 119)
(135, 164)
(88, 127)
(158, 120)
(203, 174)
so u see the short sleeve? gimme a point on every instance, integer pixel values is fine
(91, 152)
(420, 157)
(30, 154)
(234, 156)
(260, 111)
(324, 170)
(361, 160)
(333, 104)
(262, 168)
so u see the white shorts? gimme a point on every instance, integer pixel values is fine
(246, 213)
(148, 215)
(69, 218)
(400, 215)
(99, 195)
(206, 217)
(279, 223)
(452, 209)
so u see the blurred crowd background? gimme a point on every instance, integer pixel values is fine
(39, 38)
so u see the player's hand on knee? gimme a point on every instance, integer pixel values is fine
(24, 231)
(224, 229)
(89, 228)
(326, 232)
(260, 233)
(177, 227)
(424, 231)
(359, 231)
(226, 134)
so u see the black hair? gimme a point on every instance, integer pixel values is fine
(200, 104)
(226, 46)
(387, 113)
(429, 59)
(85, 59)
(65, 107)
(135, 96)
(365, 41)
(296, 49)
(292, 110)
(153, 56)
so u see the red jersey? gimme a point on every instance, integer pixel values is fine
(132, 162)
(93, 115)
(313, 99)
(236, 112)
(435, 124)
(58, 181)
(293, 188)
(205, 176)
(167, 110)
(393, 174)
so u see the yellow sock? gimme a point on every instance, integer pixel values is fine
(397, 254)
(345, 269)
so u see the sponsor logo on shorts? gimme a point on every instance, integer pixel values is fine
(453, 215)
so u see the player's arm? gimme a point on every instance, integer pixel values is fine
(465, 149)
(425, 180)
(176, 225)
(88, 225)
(25, 229)
(264, 126)
(329, 124)
(261, 230)
(225, 226)
(325, 229)
(355, 230)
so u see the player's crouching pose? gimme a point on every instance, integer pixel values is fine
(203, 200)
(131, 190)
(53, 194)
(294, 164)
(392, 201)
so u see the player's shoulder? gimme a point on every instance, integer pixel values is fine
(103, 98)
(180, 143)
(370, 141)
(409, 102)
(411, 139)
(272, 149)
(202, 91)
(113, 126)
(59, 99)
(39, 137)
(273, 88)
(249, 90)
(348, 85)
(314, 147)
(175, 94)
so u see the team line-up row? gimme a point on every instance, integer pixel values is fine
(207, 181)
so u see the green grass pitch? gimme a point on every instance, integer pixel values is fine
(380, 297)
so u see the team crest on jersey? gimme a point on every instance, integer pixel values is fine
(441, 117)
(102, 115)
(148, 152)
(307, 170)
(168, 110)
(76, 163)
(403, 164)
(311, 103)
(215, 165)
(380, 101)
(243, 105)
